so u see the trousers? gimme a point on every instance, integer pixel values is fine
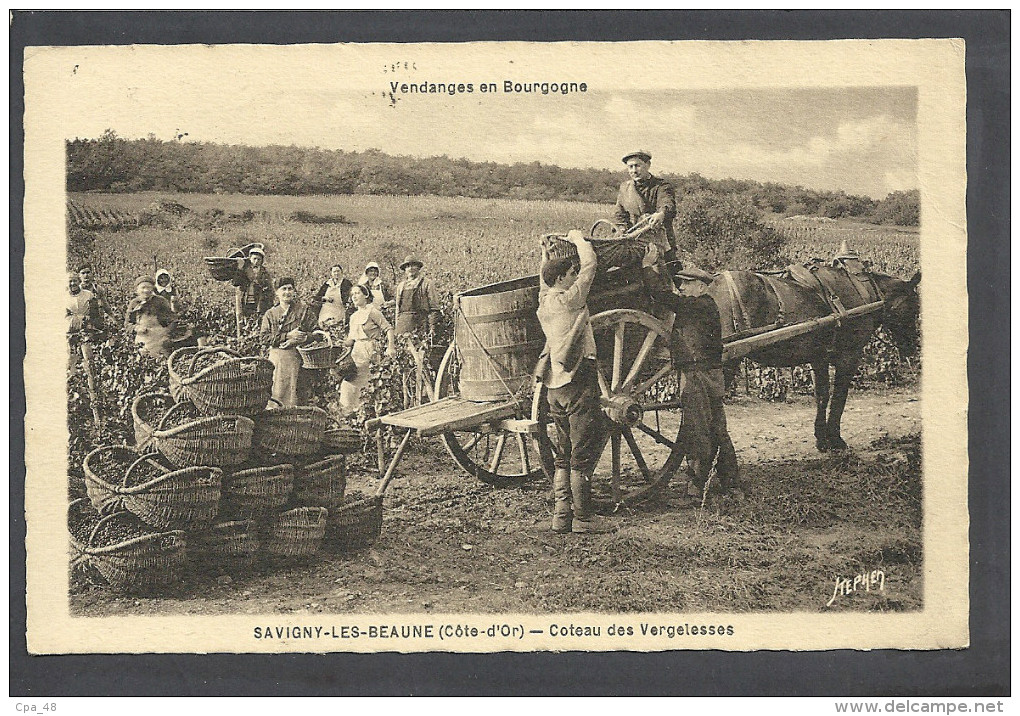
(575, 412)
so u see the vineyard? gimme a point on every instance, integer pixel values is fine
(466, 243)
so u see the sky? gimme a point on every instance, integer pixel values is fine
(859, 139)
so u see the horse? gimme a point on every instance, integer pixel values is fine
(748, 301)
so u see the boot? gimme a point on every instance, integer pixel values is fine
(585, 519)
(562, 512)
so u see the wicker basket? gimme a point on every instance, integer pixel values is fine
(321, 483)
(319, 356)
(217, 441)
(221, 268)
(226, 544)
(177, 366)
(297, 431)
(357, 523)
(147, 410)
(344, 365)
(235, 385)
(296, 533)
(343, 441)
(256, 490)
(140, 563)
(104, 470)
(187, 499)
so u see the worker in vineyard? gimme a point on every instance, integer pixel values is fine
(332, 299)
(165, 289)
(286, 326)
(82, 314)
(697, 354)
(374, 283)
(568, 369)
(88, 283)
(365, 326)
(648, 198)
(150, 318)
(255, 284)
(415, 299)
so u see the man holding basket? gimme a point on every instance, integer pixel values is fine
(568, 369)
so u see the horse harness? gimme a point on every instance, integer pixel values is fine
(806, 275)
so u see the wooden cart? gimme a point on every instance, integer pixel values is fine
(494, 418)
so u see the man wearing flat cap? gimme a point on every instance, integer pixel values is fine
(415, 299)
(644, 196)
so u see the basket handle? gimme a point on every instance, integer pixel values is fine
(166, 415)
(207, 351)
(324, 334)
(139, 461)
(102, 521)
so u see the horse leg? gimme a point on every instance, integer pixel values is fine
(840, 388)
(820, 370)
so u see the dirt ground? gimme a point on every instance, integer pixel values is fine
(453, 544)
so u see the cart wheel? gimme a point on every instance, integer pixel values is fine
(499, 457)
(640, 403)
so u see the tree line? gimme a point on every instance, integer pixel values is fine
(111, 163)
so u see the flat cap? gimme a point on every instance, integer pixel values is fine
(693, 273)
(640, 154)
(144, 279)
(408, 260)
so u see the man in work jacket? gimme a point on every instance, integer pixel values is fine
(697, 348)
(415, 299)
(646, 195)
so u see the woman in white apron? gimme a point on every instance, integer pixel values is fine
(332, 297)
(373, 281)
(286, 326)
(366, 324)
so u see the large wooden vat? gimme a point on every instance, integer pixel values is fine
(498, 337)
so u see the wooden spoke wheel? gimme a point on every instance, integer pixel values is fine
(498, 456)
(640, 402)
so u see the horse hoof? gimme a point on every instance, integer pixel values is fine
(822, 445)
(837, 445)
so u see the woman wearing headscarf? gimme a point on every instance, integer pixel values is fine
(150, 316)
(373, 282)
(366, 325)
(254, 283)
(165, 289)
(333, 297)
(285, 326)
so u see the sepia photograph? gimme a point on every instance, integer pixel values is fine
(496, 347)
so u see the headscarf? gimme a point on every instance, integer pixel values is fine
(169, 288)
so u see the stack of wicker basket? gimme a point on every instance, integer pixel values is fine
(216, 480)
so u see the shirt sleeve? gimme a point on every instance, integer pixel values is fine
(431, 303)
(269, 331)
(380, 320)
(665, 200)
(577, 295)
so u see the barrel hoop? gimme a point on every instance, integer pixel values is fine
(501, 350)
(494, 317)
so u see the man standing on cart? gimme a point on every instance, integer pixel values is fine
(647, 198)
(569, 371)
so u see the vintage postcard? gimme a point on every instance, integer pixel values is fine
(496, 346)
